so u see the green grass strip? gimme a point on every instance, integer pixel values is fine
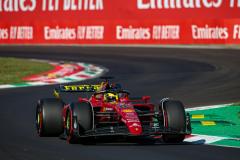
(12, 70)
(227, 121)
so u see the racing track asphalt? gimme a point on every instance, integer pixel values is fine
(195, 76)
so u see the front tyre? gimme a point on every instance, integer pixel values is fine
(79, 119)
(174, 120)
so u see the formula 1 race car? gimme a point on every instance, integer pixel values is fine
(110, 112)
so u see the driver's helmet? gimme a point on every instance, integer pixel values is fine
(110, 97)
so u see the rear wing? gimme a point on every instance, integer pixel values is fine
(79, 88)
(75, 88)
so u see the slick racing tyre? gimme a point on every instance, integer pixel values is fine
(79, 118)
(174, 120)
(49, 117)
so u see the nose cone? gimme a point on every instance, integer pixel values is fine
(135, 128)
(130, 118)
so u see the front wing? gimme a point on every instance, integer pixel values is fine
(148, 129)
(123, 131)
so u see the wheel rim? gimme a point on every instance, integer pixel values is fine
(39, 117)
(68, 122)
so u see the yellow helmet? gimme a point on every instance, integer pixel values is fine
(110, 97)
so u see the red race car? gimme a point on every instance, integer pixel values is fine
(110, 112)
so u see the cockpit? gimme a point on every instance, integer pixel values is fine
(112, 96)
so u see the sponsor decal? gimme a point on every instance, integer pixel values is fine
(17, 33)
(155, 32)
(16, 5)
(186, 4)
(112, 22)
(236, 31)
(50, 5)
(165, 32)
(128, 110)
(99, 5)
(133, 120)
(178, 4)
(108, 109)
(81, 88)
(73, 33)
(132, 33)
(207, 32)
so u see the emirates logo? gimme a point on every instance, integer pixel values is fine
(187, 4)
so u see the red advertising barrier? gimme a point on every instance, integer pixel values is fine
(119, 21)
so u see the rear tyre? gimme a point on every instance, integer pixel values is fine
(49, 117)
(174, 120)
(79, 120)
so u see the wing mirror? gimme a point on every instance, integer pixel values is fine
(146, 99)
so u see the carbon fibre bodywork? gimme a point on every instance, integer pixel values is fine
(109, 112)
(124, 117)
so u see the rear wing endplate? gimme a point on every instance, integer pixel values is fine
(75, 88)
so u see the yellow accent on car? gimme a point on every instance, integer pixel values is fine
(56, 94)
(128, 110)
(110, 97)
(81, 87)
